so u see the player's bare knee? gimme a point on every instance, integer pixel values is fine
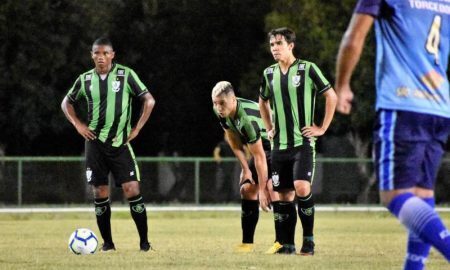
(302, 189)
(249, 191)
(101, 191)
(131, 189)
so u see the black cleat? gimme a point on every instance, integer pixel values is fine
(108, 247)
(307, 248)
(145, 246)
(287, 249)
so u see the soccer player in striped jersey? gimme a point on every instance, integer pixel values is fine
(242, 124)
(291, 87)
(108, 90)
(413, 109)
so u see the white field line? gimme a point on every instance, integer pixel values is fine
(18, 210)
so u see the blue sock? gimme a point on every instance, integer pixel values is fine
(417, 250)
(420, 218)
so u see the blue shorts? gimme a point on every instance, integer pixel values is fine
(408, 148)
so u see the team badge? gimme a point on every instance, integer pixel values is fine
(307, 211)
(296, 80)
(88, 77)
(138, 208)
(301, 67)
(275, 179)
(116, 86)
(88, 174)
(269, 70)
(100, 210)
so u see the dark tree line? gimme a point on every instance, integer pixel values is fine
(179, 48)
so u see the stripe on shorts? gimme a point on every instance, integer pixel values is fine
(386, 159)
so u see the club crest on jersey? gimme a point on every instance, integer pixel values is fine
(275, 179)
(296, 80)
(116, 86)
(269, 70)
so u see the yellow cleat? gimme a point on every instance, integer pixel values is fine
(244, 248)
(275, 248)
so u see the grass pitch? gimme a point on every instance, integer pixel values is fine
(205, 240)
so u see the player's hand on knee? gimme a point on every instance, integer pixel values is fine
(246, 175)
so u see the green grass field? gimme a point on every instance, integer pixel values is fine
(205, 240)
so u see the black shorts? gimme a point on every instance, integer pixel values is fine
(101, 159)
(290, 165)
(252, 166)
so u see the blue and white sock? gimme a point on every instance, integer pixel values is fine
(417, 250)
(421, 219)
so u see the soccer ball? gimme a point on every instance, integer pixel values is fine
(83, 241)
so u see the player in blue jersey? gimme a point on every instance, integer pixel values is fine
(413, 109)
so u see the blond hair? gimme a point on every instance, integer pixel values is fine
(222, 87)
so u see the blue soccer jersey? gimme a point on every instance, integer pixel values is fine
(412, 54)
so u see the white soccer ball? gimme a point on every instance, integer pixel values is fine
(83, 241)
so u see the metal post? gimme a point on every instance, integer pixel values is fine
(197, 181)
(19, 182)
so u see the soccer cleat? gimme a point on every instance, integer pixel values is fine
(274, 249)
(146, 246)
(307, 248)
(108, 247)
(244, 248)
(288, 249)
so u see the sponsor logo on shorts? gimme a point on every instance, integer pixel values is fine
(275, 179)
(89, 174)
(132, 173)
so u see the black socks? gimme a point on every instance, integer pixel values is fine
(103, 215)
(139, 215)
(287, 220)
(306, 214)
(249, 219)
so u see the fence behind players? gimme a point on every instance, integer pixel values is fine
(193, 180)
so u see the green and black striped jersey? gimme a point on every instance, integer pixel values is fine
(109, 101)
(246, 122)
(292, 97)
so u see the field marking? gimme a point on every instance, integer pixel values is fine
(17, 210)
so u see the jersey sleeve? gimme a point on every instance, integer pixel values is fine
(251, 132)
(137, 88)
(320, 82)
(76, 91)
(370, 7)
(264, 90)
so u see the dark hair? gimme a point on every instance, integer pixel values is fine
(103, 41)
(287, 33)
